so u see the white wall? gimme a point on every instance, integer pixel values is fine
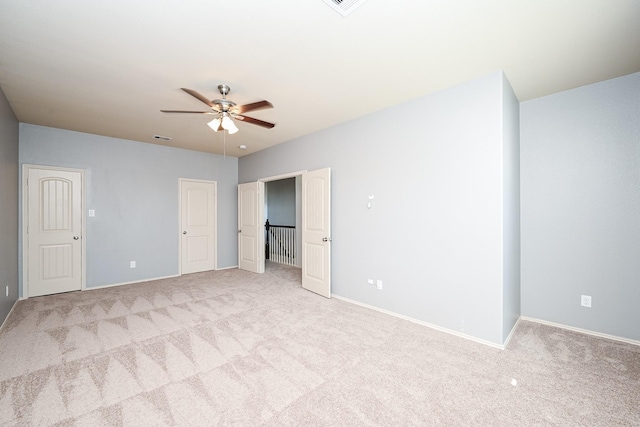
(8, 207)
(434, 235)
(133, 187)
(580, 181)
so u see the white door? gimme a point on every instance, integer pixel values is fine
(54, 231)
(316, 231)
(250, 230)
(198, 226)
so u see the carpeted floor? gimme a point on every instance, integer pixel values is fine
(236, 348)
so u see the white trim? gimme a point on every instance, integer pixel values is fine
(420, 322)
(25, 222)
(282, 176)
(173, 276)
(8, 314)
(227, 268)
(513, 331)
(582, 331)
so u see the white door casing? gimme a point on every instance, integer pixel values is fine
(198, 238)
(316, 231)
(54, 231)
(250, 229)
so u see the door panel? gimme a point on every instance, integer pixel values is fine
(316, 231)
(198, 218)
(250, 230)
(54, 231)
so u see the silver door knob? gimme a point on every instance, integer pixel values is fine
(76, 237)
(184, 232)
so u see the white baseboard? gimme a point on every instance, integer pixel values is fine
(8, 314)
(513, 330)
(582, 331)
(227, 268)
(130, 283)
(428, 325)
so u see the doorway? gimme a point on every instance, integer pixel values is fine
(315, 229)
(283, 218)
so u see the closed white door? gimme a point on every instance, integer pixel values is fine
(316, 231)
(54, 231)
(250, 230)
(198, 226)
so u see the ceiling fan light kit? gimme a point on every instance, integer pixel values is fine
(344, 7)
(223, 124)
(226, 110)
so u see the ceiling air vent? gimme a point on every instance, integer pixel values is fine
(162, 138)
(344, 7)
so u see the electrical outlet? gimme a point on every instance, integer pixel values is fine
(585, 301)
(370, 281)
(379, 284)
(132, 264)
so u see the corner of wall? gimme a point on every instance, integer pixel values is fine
(510, 209)
(9, 188)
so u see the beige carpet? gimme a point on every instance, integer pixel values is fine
(236, 348)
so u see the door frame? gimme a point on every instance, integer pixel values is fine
(263, 219)
(25, 221)
(215, 223)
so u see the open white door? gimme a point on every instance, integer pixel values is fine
(250, 230)
(54, 231)
(316, 231)
(198, 226)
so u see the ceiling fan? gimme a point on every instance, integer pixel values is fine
(224, 110)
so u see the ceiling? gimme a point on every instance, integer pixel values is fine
(108, 68)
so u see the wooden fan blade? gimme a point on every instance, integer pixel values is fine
(192, 112)
(255, 121)
(254, 106)
(198, 96)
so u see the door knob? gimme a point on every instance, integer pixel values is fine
(184, 232)
(239, 231)
(326, 239)
(76, 237)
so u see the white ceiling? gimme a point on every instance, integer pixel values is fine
(108, 67)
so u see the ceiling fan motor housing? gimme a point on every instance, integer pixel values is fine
(224, 104)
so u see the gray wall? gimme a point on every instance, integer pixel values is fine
(8, 207)
(510, 208)
(133, 187)
(281, 201)
(434, 234)
(581, 207)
